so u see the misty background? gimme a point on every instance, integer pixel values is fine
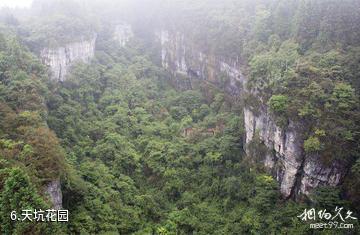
(132, 114)
(15, 3)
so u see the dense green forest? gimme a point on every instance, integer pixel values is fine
(137, 155)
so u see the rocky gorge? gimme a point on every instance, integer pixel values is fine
(296, 172)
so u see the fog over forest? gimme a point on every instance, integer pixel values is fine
(172, 117)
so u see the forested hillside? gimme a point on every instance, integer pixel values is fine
(134, 152)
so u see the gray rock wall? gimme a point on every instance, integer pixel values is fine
(123, 33)
(60, 59)
(296, 172)
(53, 190)
(181, 57)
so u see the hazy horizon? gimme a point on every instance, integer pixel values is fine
(15, 3)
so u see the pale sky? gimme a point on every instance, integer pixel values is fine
(15, 3)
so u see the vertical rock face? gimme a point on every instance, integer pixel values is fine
(123, 33)
(53, 190)
(296, 172)
(181, 57)
(316, 174)
(60, 59)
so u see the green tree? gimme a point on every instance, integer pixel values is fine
(265, 193)
(19, 194)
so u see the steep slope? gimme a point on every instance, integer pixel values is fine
(32, 160)
(263, 58)
(286, 160)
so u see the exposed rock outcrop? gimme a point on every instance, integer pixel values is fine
(53, 190)
(296, 172)
(123, 33)
(60, 59)
(182, 57)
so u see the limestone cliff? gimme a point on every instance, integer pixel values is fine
(53, 191)
(181, 57)
(296, 172)
(123, 33)
(60, 59)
